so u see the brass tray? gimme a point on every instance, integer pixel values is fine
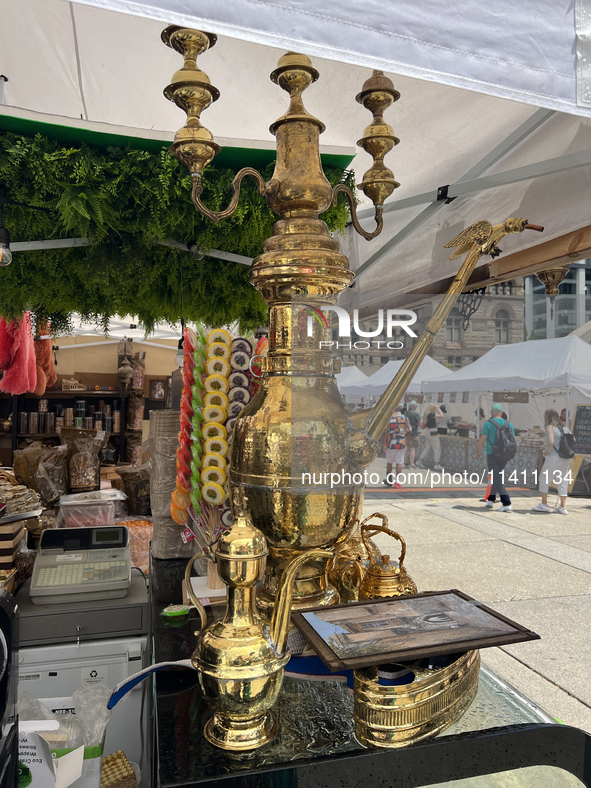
(399, 715)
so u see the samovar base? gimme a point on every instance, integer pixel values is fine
(245, 734)
(266, 602)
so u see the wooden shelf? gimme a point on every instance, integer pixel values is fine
(37, 434)
(67, 394)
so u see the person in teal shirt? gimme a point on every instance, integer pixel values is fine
(497, 486)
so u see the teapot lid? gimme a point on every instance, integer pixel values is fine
(242, 542)
(386, 568)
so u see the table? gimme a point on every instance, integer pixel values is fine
(501, 730)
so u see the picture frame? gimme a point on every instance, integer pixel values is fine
(158, 390)
(399, 629)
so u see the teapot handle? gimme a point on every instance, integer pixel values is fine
(191, 593)
(368, 530)
(352, 568)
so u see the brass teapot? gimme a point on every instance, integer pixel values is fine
(352, 558)
(240, 659)
(383, 577)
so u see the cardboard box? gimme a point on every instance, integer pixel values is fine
(8, 580)
(109, 474)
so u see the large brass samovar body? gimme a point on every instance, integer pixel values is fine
(297, 422)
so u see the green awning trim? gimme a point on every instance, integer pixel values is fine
(231, 158)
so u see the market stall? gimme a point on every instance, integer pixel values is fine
(527, 377)
(553, 372)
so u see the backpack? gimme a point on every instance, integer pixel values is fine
(566, 448)
(505, 447)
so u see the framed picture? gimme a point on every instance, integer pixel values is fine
(379, 631)
(158, 390)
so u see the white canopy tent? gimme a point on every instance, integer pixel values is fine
(538, 364)
(557, 370)
(495, 103)
(350, 376)
(377, 383)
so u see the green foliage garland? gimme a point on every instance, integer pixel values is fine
(123, 199)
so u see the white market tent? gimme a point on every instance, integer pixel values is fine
(537, 364)
(555, 372)
(350, 376)
(496, 104)
(377, 383)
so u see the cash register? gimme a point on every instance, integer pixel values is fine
(81, 564)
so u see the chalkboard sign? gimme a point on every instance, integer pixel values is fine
(582, 429)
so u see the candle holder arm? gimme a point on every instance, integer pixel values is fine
(236, 183)
(341, 188)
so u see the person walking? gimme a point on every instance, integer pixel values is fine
(432, 441)
(413, 440)
(396, 433)
(555, 468)
(495, 462)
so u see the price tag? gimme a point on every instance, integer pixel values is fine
(187, 535)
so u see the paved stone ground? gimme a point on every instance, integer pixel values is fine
(533, 568)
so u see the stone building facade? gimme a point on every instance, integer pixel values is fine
(498, 320)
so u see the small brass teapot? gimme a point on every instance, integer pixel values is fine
(352, 558)
(240, 659)
(383, 577)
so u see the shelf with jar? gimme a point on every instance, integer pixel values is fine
(41, 418)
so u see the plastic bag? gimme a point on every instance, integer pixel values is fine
(84, 447)
(29, 708)
(45, 487)
(54, 459)
(91, 701)
(71, 729)
(136, 484)
(30, 470)
(24, 562)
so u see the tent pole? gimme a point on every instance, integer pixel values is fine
(477, 415)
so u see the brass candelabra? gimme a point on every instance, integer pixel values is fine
(297, 422)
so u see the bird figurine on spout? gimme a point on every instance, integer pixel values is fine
(482, 238)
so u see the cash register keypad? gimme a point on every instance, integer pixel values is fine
(73, 574)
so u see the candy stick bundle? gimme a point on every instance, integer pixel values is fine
(217, 386)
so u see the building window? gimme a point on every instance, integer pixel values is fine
(453, 327)
(502, 327)
(454, 361)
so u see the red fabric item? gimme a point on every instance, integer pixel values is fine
(46, 374)
(5, 345)
(17, 356)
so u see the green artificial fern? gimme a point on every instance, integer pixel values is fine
(123, 200)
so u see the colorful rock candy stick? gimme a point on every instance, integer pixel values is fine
(190, 418)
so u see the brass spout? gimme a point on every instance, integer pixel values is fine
(478, 239)
(282, 609)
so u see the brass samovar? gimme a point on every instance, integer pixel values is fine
(297, 423)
